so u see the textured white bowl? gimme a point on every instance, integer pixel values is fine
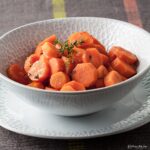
(17, 44)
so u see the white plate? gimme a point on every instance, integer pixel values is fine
(132, 112)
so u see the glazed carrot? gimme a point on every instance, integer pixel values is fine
(76, 85)
(78, 54)
(85, 73)
(50, 39)
(93, 56)
(99, 83)
(43, 58)
(83, 37)
(18, 74)
(56, 65)
(58, 79)
(29, 61)
(88, 41)
(49, 50)
(81, 59)
(69, 65)
(113, 77)
(50, 89)
(36, 84)
(104, 59)
(123, 68)
(39, 71)
(102, 71)
(38, 50)
(123, 54)
(67, 88)
(100, 48)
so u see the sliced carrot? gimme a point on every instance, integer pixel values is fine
(102, 71)
(113, 53)
(69, 65)
(58, 79)
(50, 89)
(123, 68)
(49, 50)
(18, 74)
(50, 39)
(56, 65)
(85, 37)
(67, 88)
(100, 48)
(123, 54)
(104, 59)
(76, 85)
(43, 58)
(85, 73)
(78, 54)
(36, 84)
(39, 71)
(38, 50)
(29, 61)
(99, 83)
(93, 56)
(94, 43)
(113, 77)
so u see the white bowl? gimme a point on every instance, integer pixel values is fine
(17, 44)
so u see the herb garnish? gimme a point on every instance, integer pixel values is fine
(68, 47)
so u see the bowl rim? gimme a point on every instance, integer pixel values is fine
(76, 92)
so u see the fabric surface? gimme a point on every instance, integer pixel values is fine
(14, 13)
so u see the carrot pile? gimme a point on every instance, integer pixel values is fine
(78, 64)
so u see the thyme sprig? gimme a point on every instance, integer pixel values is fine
(68, 47)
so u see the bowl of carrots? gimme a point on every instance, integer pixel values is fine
(74, 66)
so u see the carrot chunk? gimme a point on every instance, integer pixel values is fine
(85, 73)
(76, 85)
(49, 50)
(123, 54)
(36, 84)
(58, 79)
(113, 77)
(50, 39)
(102, 71)
(100, 48)
(38, 50)
(69, 65)
(67, 88)
(78, 54)
(30, 61)
(50, 89)
(123, 68)
(83, 37)
(56, 65)
(18, 74)
(104, 59)
(39, 71)
(93, 56)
